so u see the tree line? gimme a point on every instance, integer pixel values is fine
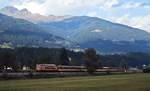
(19, 57)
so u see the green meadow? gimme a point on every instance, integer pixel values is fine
(124, 82)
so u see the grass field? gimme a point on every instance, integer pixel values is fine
(128, 82)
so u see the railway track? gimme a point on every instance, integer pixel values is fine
(16, 75)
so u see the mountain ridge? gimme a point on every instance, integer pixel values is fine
(88, 24)
(27, 15)
(105, 36)
(95, 32)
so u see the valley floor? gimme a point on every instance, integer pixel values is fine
(126, 82)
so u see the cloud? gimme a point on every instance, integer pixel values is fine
(131, 5)
(107, 9)
(23, 1)
(65, 7)
(34, 7)
(110, 4)
(93, 14)
(141, 22)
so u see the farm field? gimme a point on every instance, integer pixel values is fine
(124, 82)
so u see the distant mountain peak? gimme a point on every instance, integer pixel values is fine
(9, 9)
(24, 10)
(27, 15)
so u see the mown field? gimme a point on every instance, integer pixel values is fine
(126, 82)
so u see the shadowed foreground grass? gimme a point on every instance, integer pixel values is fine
(128, 82)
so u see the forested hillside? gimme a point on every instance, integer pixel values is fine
(20, 57)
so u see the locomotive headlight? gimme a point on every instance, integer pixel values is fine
(70, 59)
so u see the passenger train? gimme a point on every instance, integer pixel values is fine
(64, 68)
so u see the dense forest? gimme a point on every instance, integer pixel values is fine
(19, 57)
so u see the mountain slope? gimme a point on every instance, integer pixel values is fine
(20, 32)
(91, 28)
(101, 29)
(85, 31)
(98, 33)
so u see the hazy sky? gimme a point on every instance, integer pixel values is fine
(135, 13)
